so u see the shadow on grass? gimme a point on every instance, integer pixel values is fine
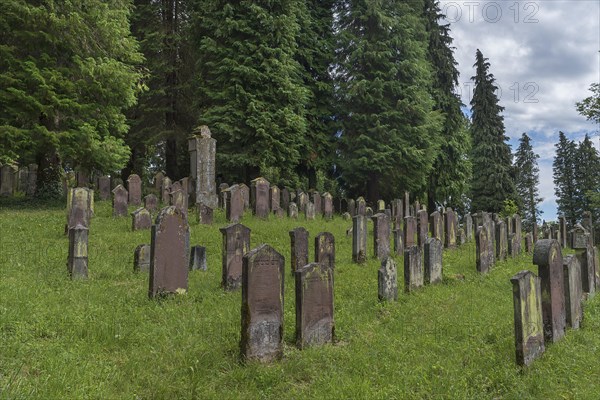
(25, 203)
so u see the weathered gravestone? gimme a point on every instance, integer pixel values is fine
(513, 245)
(398, 241)
(361, 206)
(369, 212)
(316, 200)
(236, 243)
(573, 291)
(413, 269)
(529, 330)
(588, 270)
(80, 204)
(245, 191)
(314, 305)
(485, 258)
(468, 224)
(274, 198)
(410, 228)
(77, 261)
(234, 209)
(141, 219)
(381, 236)
(262, 305)
(422, 227)
(134, 188)
(587, 223)
(260, 197)
(534, 232)
(170, 251)
(433, 260)
(450, 228)
(141, 258)
(547, 256)
(301, 200)
(359, 239)
(501, 241)
(309, 211)
(165, 191)
(325, 249)
(387, 280)
(580, 238)
(293, 211)
(352, 207)
(104, 187)
(158, 180)
(179, 200)
(437, 225)
(562, 228)
(327, 203)
(299, 248)
(119, 201)
(285, 198)
(32, 181)
(460, 238)
(203, 148)
(407, 205)
(198, 258)
(204, 213)
(151, 203)
(21, 180)
(529, 242)
(380, 206)
(82, 179)
(223, 195)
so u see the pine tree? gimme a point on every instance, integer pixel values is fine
(565, 185)
(491, 156)
(587, 178)
(451, 173)
(390, 133)
(250, 88)
(68, 72)
(527, 180)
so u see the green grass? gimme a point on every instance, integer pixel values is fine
(103, 338)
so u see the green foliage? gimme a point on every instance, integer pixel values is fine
(390, 132)
(587, 178)
(491, 156)
(510, 208)
(67, 74)
(565, 184)
(590, 106)
(527, 180)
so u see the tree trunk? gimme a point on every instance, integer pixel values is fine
(49, 183)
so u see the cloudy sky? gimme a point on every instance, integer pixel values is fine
(544, 55)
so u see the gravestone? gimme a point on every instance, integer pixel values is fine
(518, 231)
(166, 191)
(361, 206)
(260, 197)
(547, 256)
(80, 207)
(413, 269)
(223, 195)
(580, 238)
(293, 211)
(369, 212)
(151, 203)
(82, 179)
(501, 241)
(433, 260)
(245, 191)
(346, 216)
(285, 198)
(468, 224)
(387, 280)
(170, 253)
(141, 219)
(77, 261)
(573, 291)
(301, 200)
(381, 236)
(513, 245)
(274, 198)
(397, 209)
(527, 305)
(262, 305)
(134, 188)
(359, 239)
(422, 227)
(528, 242)
(314, 305)
(299, 248)
(158, 180)
(21, 179)
(588, 270)
(316, 200)
(398, 242)
(534, 232)
(460, 238)
(203, 148)
(587, 223)
(141, 258)
(410, 228)
(327, 206)
(325, 249)
(437, 225)
(309, 211)
(234, 209)
(407, 205)
(380, 206)
(343, 205)
(178, 199)
(205, 214)
(450, 228)
(198, 258)
(562, 228)
(236, 243)
(352, 207)
(32, 181)
(104, 187)
(485, 259)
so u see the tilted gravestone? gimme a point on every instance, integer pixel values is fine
(119, 202)
(588, 270)
(234, 209)
(262, 305)
(413, 269)
(501, 241)
(381, 236)
(359, 239)
(141, 219)
(547, 256)
(151, 203)
(293, 211)
(198, 258)
(422, 227)
(203, 148)
(77, 261)
(410, 228)
(260, 197)
(433, 260)
(437, 225)
(314, 305)
(236, 243)
(299, 248)
(309, 211)
(387, 280)
(529, 329)
(274, 198)
(573, 291)
(141, 258)
(170, 251)
(327, 203)
(134, 188)
(104, 188)
(325, 249)
(485, 258)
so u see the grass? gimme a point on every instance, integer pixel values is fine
(103, 338)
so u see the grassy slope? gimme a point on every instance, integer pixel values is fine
(103, 338)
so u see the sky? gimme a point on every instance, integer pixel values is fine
(544, 56)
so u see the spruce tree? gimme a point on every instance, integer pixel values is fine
(250, 89)
(565, 184)
(451, 173)
(527, 180)
(587, 178)
(492, 183)
(389, 138)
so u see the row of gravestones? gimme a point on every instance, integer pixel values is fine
(545, 305)
(497, 239)
(14, 179)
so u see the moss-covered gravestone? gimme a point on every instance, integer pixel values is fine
(325, 249)
(359, 239)
(387, 280)
(293, 211)
(327, 204)
(141, 258)
(141, 219)
(573, 291)
(77, 261)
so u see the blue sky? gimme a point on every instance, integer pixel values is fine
(544, 56)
